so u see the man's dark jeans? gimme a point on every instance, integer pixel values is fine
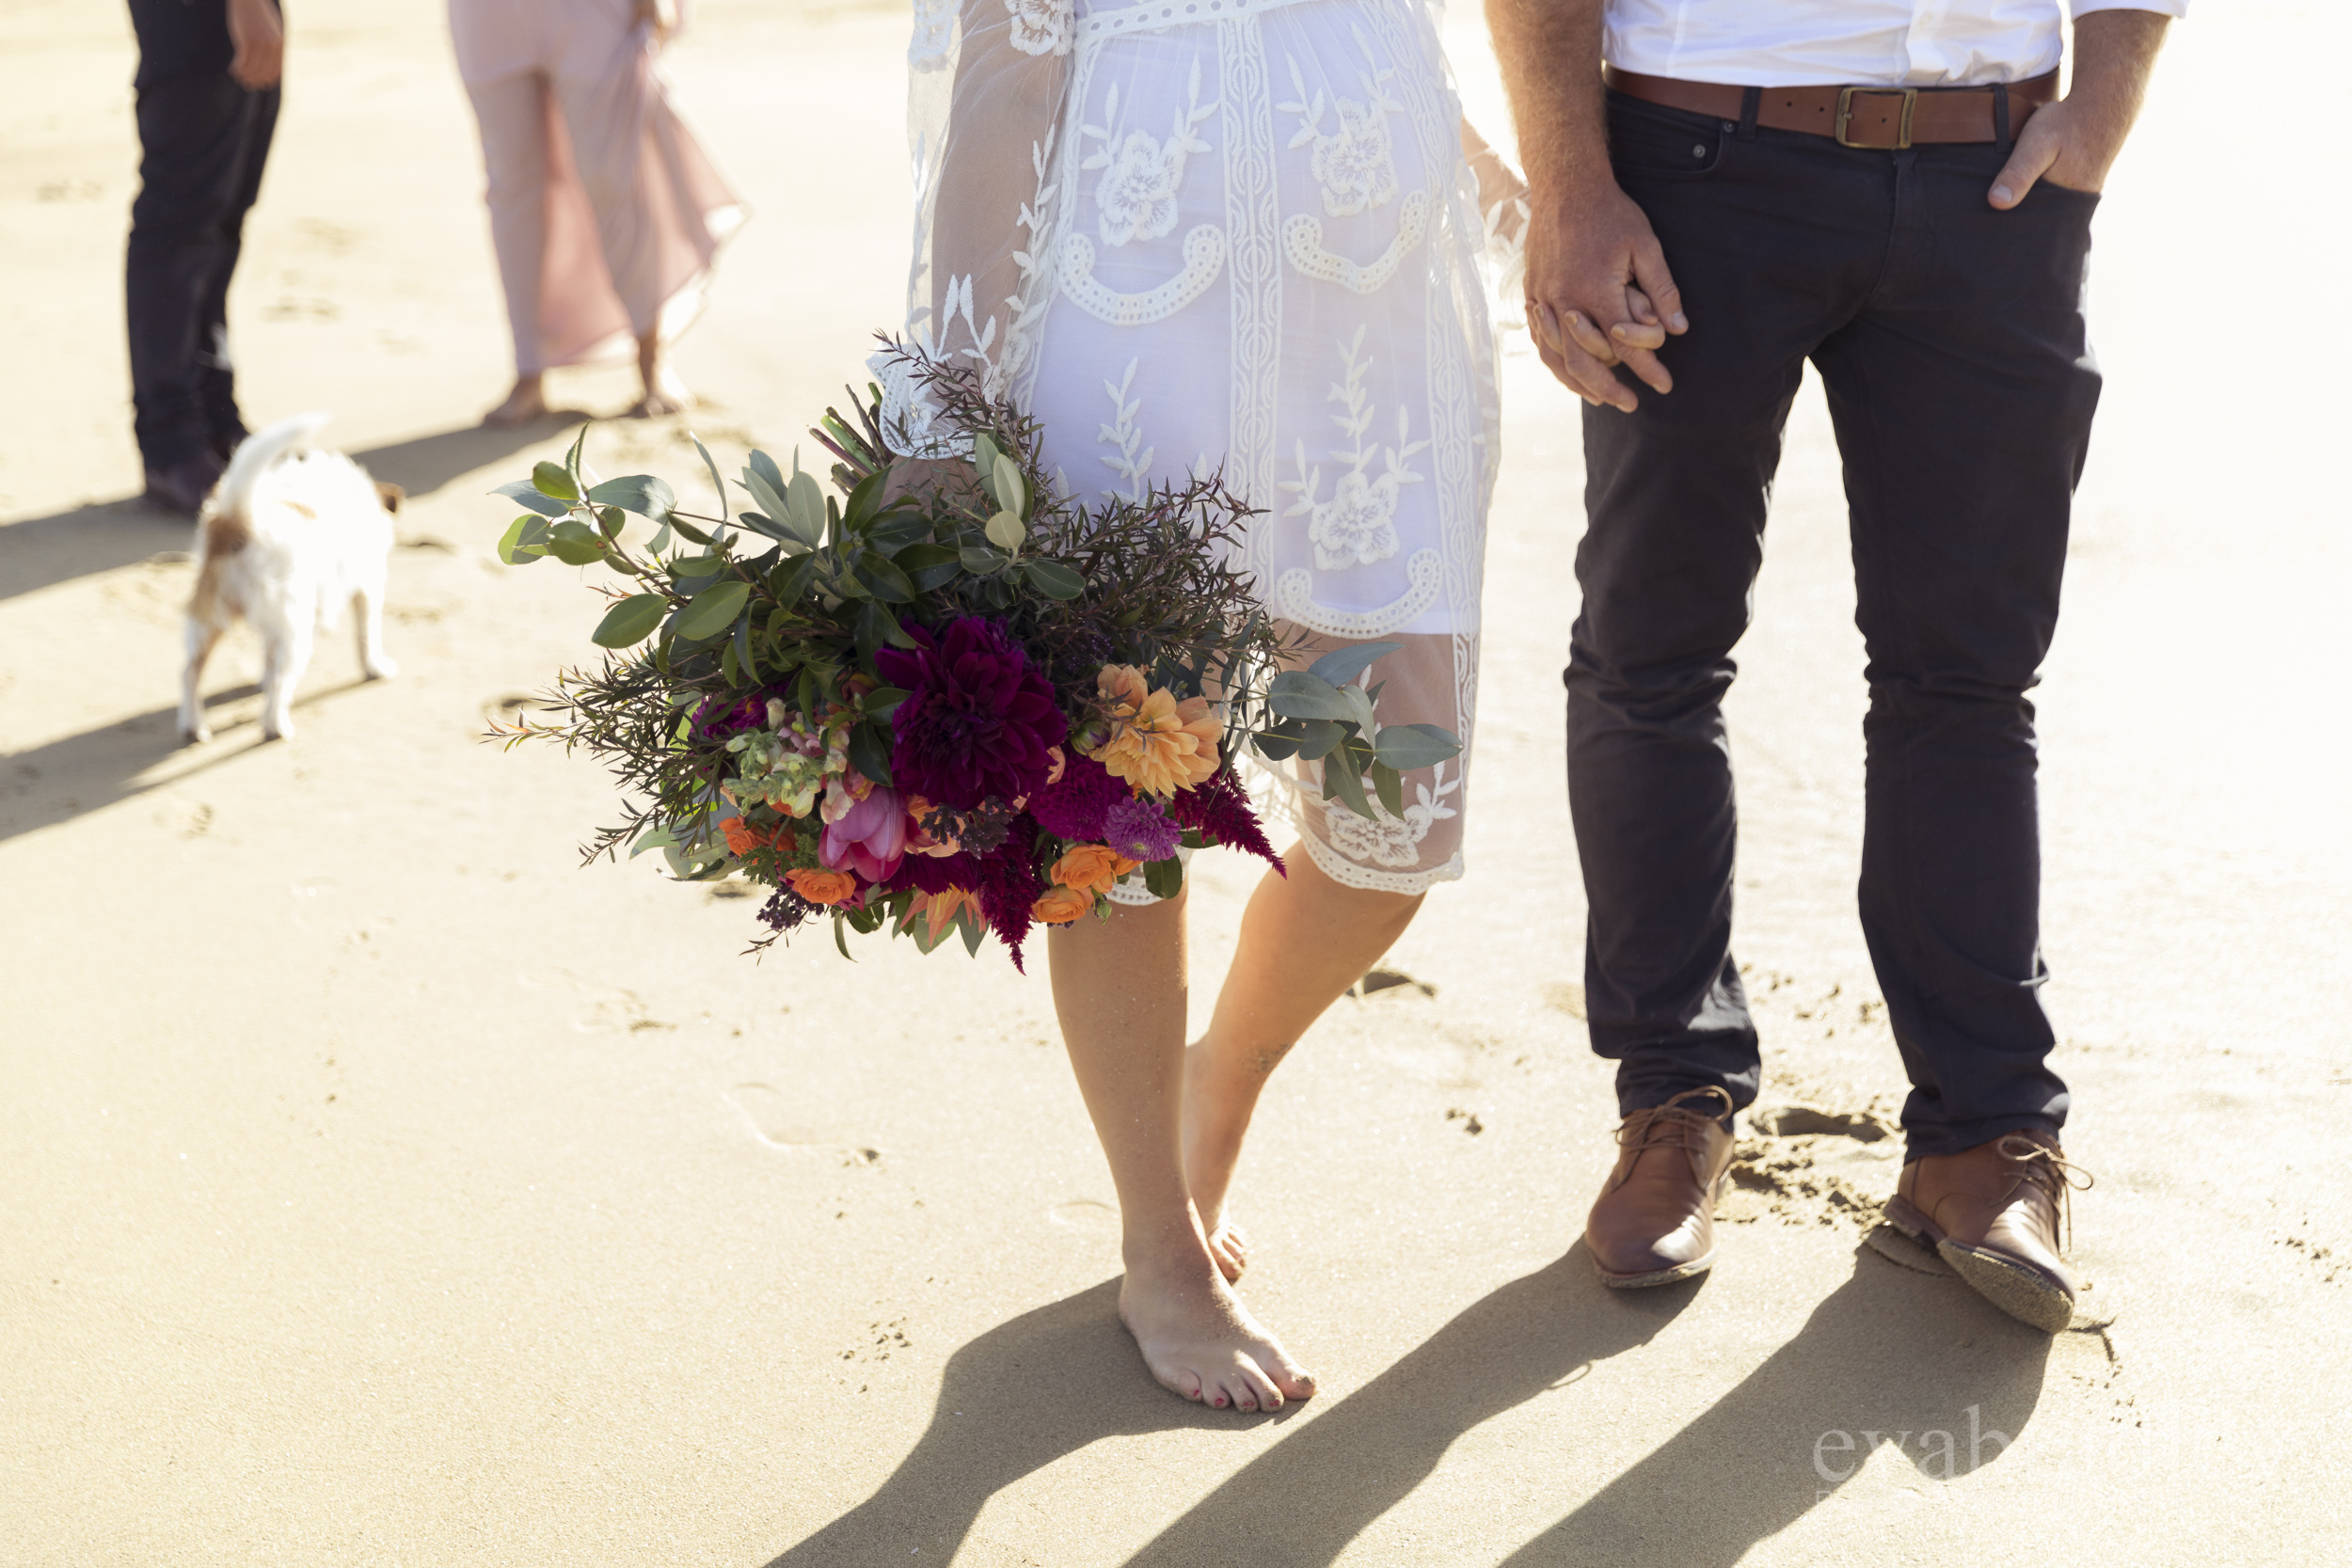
(204, 140)
(1949, 339)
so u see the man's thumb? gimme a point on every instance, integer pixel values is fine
(2028, 162)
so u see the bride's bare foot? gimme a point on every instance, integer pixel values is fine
(1199, 1340)
(1219, 1100)
(526, 402)
(664, 392)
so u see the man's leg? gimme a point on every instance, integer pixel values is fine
(1963, 398)
(222, 422)
(1773, 246)
(193, 131)
(1676, 495)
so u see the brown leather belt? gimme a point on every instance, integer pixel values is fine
(1886, 119)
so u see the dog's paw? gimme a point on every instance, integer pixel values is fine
(195, 734)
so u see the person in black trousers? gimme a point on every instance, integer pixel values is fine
(207, 87)
(1905, 202)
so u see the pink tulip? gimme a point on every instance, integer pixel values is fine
(869, 838)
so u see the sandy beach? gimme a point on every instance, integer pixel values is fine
(383, 1187)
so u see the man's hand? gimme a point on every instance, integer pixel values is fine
(260, 37)
(1598, 293)
(1594, 268)
(2074, 141)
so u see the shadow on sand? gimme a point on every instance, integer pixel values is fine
(1888, 1353)
(41, 552)
(1056, 1380)
(99, 768)
(1890, 1358)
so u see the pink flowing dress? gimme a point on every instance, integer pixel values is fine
(605, 212)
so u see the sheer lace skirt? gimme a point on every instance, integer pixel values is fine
(1257, 252)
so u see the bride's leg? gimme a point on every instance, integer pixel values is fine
(1119, 987)
(1304, 940)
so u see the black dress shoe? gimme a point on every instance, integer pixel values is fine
(181, 488)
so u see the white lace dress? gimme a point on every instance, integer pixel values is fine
(1241, 234)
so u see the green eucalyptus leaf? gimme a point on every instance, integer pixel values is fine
(630, 621)
(1298, 694)
(1053, 580)
(1164, 879)
(807, 513)
(524, 540)
(1340, 777)
(1409, 747)
(881, 575)
(981, 563)
(1389, 786)
(609, 520)
(1006, 529)
(550, 479)
(528, 493)
(573, 544)
(883, 701)
(718, 486)
(642, 493)
(1317, 737)
(1345, 664)
(745, 662)
(713, 609)
(1012, 491)
(869, 752)
(659, 541)
(691, 532)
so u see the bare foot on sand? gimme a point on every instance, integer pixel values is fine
(1219, 1100)
(526, 402)
(664, 392)
(1200, 1341)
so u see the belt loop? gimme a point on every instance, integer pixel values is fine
(2000, 114)
(1750, 101)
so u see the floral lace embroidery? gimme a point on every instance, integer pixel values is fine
(1391, 840)
(1205, 258)
(1358, 525)
(1041, 27)
(1141, 174)
(1294, 600)
(1125, 437)
(1302, 241)
(934, 34)
(1354, 161)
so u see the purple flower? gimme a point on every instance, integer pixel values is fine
(979, 718)
(1072, 806)
(1141, 830)
(1219, 809)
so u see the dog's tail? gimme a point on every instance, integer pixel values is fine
(260, 452)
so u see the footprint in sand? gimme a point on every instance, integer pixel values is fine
(1085, 1215)
(773, 1123)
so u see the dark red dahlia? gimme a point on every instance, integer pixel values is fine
(979, 718)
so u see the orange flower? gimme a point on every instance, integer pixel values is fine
(1062, 906)
(1156, 743)
(939, 909)
(823, 887)
(1093, 868)
(742, 838)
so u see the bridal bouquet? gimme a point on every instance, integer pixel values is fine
(943, 700)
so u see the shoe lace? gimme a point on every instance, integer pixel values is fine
(1672, 1124)
(2049, 1173)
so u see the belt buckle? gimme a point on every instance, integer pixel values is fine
(1903, 134)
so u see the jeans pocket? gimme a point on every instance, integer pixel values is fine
(1650, 142)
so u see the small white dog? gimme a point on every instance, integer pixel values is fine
(289, 537)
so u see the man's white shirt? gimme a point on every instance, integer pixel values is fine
(1796, 43)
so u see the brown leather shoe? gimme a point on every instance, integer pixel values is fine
(1992, 1212)
(1655, 1220)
